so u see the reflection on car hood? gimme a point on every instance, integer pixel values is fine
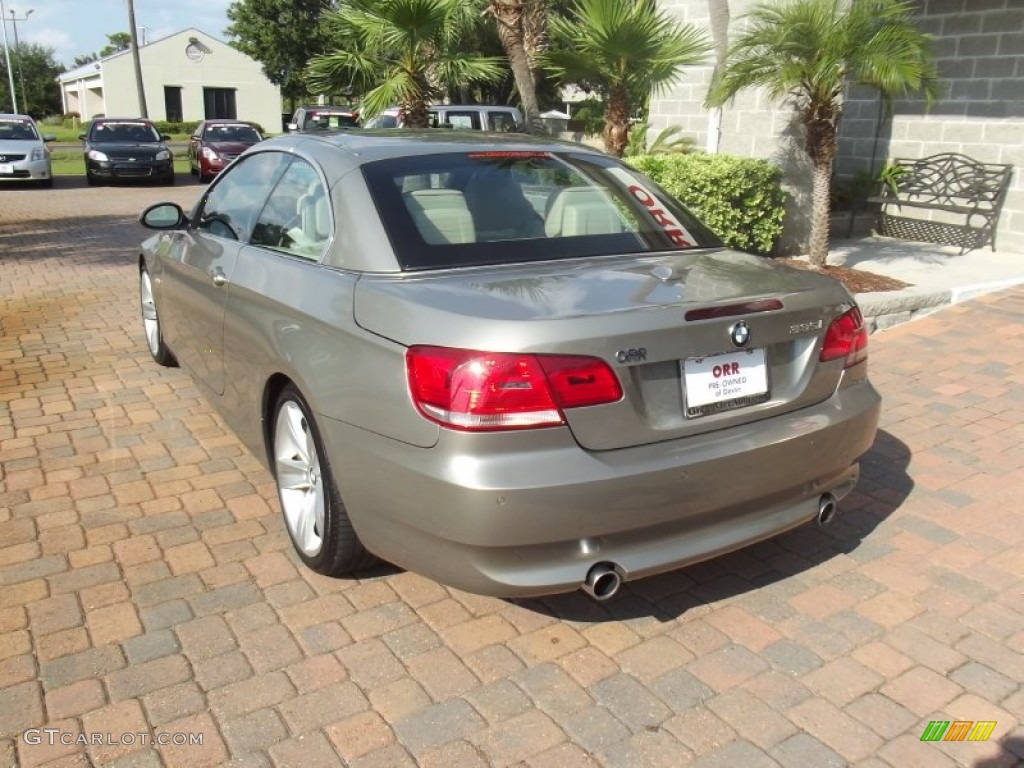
(581, 289)
(18, 146)
(141, 148)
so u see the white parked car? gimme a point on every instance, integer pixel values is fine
(23, 152)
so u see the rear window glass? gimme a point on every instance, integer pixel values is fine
(499, 207)
(324, 121)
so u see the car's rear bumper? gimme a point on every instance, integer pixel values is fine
(518, 514)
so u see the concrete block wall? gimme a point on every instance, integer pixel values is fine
(979, 47)
(980, 54)
(751, 125)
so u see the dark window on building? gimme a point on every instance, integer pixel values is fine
(172, 103)
(219, 103)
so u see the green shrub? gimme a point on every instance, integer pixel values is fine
(164, 126)
(740, 198)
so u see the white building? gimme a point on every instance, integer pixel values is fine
(187, 76)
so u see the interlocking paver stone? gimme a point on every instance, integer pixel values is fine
(146, 580)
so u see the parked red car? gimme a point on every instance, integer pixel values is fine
(215, 143)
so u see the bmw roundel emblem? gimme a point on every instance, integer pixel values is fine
(740, 334)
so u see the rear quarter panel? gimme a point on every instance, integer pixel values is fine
(293, 317)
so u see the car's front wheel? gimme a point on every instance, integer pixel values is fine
(151, 322)
(314, 513)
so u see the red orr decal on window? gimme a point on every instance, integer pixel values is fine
(675, 232)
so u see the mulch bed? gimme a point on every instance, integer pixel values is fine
(855, 280)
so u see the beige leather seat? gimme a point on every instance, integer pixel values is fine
(578, 211)
(500, 210)
(441, 216)
(314, 217)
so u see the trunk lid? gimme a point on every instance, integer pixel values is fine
(665, 323)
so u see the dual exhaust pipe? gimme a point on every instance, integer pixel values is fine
(603, 579)
(602, 582)
(828, 508)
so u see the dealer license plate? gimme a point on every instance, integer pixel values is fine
(721, 382)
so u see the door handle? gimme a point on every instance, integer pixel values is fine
(218, 276)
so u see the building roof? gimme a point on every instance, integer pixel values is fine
(92, 67)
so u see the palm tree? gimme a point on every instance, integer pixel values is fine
(402, 52)
(516, 20)
(810, 51)
(628, 48)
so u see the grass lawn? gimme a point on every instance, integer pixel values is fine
(71, 162)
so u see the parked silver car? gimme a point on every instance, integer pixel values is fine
(513, 365)
(24, 155)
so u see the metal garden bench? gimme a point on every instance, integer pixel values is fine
(953, 184)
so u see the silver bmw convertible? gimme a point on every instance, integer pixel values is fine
(516, 366)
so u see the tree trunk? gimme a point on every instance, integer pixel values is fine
(509, 16)
(616, 121)
(535, 37)
(718, 13)
(820, 193)
(820, 143)
(415, 114)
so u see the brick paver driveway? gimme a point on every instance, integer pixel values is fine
(147, 588)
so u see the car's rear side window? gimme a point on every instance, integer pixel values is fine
(498, 207)
(231, 205)
(296, 218)
(502, 122)
(459, 120)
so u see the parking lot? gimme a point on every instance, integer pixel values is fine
(147, 585)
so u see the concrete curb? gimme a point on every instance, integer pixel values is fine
(886, 309)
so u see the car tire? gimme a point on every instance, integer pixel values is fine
(151, 322)
(169, 181)
(314, 514)
(46, 183)
(91, 180)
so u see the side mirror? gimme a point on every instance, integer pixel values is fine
(163, 216)
(81, 137)
(164, 137)
(49, 137)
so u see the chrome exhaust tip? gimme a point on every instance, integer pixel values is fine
(602, 582)
(827, 509)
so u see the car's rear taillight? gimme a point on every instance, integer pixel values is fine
(478, 391)
(846, 337)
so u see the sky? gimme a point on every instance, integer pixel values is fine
(74, 27)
